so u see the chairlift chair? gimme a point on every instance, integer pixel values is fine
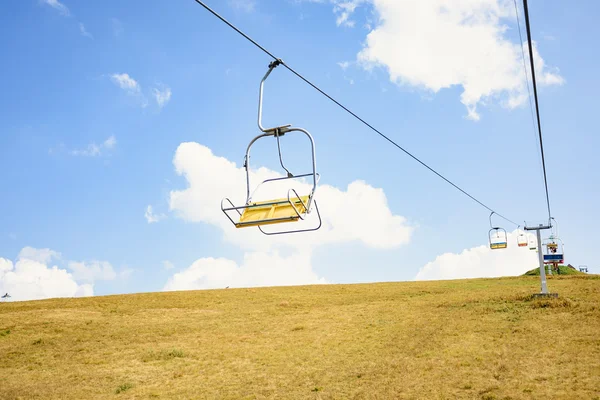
(521, 238)
(532, 242)
(497, 236)
(554, 250)
(291, 207)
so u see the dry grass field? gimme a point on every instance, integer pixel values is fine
(468, 339)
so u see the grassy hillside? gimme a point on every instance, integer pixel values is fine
(471, 339)
(563, 270)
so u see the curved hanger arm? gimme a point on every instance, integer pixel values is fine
(492, 226)
(281, 129)
(556, 223)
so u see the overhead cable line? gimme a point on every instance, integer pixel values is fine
(537, 106)
(529, 97)
(200, 2)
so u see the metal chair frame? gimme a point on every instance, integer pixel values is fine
(498, 230)
(292, 196)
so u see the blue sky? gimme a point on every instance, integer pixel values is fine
(98, 97)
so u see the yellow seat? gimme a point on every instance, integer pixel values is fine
(272, 212)
(501, 245)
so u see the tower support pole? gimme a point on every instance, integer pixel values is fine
(542, 266)
(544, 284)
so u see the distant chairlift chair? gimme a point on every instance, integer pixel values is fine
(522, 238)
(554, 253)
(497, 236)
(291, 208)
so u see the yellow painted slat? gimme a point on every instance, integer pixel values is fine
(263, 213)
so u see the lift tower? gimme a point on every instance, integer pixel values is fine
(544, 290)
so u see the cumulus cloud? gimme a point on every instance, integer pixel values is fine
(94, 150)
(257, 269)
(440, 44)
(43, 256)
(35, 275)
(31, 277)
(481, 262)
(57, 5)
(210, 178)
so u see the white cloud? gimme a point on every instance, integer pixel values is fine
(257, 269)
(32, 277)
(162, 93)
(64, 11)
(57, 5)
(163, 96)
(127, 83)
(92, 271)
(344, 9)
(542, 74)
(85, 290)
(94, 150)
(151, 217)
(84, 32)
(440, 44)
(43, 256)
(210, 178)
(480, 262)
